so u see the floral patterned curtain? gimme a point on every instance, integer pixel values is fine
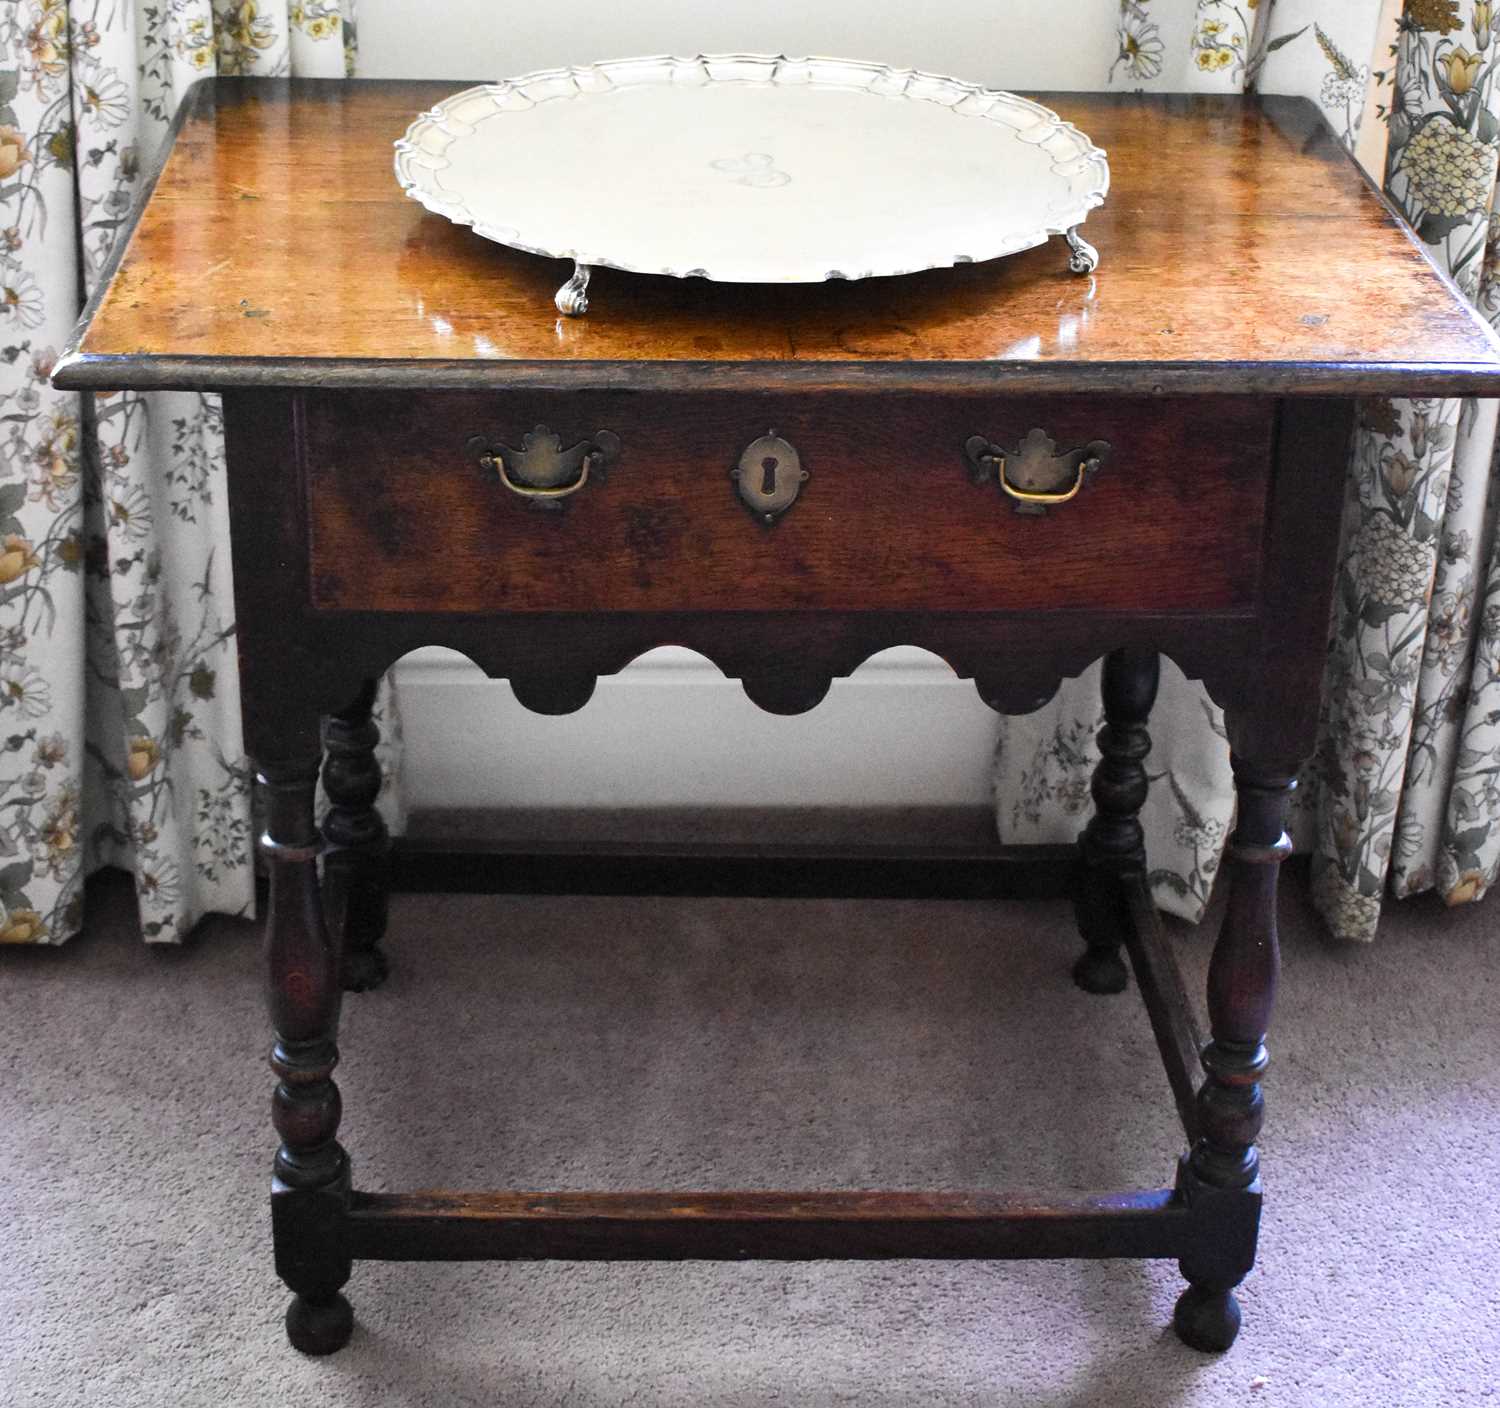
(1403, 794)
(119, 713)
(119, 724)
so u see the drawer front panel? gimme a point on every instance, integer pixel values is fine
(402, 517)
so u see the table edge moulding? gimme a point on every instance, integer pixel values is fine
(85, 364)
(1016, 468)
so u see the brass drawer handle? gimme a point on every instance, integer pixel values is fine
(1034, 475)
(541, 471)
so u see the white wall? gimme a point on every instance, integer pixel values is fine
(1019, 43)
(671, 731)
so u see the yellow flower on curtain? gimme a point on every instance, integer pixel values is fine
(59, 832)
(1434, 16)
(1221, 42)
(317, 19)
(143, 756)
(1450, 170)
(86, 91)
(1470, 887)
(1459, 68)
(1400, 471)
(241, 32)
(1482, 21)
(46, 58)
(17, 557)
(195, 43)
(14, 153)
(55, 457)
(22, 926)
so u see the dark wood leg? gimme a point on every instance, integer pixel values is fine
(356, 859)
(310, 1185)
(1113, 843)
(1220, 1177)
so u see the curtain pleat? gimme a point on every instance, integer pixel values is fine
(119, 698)
(1401, 795)
(119, 723)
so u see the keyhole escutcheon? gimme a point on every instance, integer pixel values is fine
(769, 476)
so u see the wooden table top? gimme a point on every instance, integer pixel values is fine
(1241, 250)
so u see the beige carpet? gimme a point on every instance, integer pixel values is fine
(587, 1042)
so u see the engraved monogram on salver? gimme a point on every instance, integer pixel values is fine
(752, 169)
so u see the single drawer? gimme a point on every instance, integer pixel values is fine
(403, 516)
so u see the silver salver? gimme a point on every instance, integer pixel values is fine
(753, 168)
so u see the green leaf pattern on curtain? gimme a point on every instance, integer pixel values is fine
(41, 539)
(1402, 794)
(119, 711)
(119, 719)
(1407, 761)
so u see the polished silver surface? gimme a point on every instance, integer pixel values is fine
(1084, 258)
(572, 298)
(752, 168)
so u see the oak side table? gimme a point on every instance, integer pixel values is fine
(1016, 468)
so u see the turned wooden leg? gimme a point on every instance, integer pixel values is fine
(355, 880)
(1220, 1177)
(310, 1184)
(1113, 843)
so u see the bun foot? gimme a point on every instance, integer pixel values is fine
(319, 1328)
(1207, 1320)
(363, 969)
(1100, 970)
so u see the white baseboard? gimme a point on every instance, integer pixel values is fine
(671, 731)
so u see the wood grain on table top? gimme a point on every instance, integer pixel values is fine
(1241, 250)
